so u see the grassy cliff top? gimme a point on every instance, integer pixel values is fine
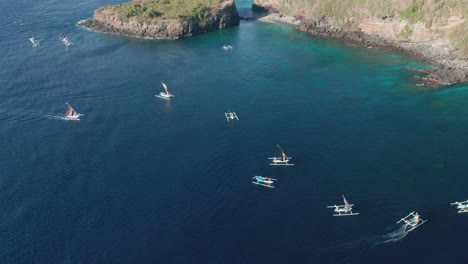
(443, 17)
(149, 9)
(410, 10)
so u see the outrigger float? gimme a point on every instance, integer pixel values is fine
(264, 181)
(71, 114)
(164, 95)
(343, 210)
(462, 207)
(412, 221)
(280, 161)
(231, 116)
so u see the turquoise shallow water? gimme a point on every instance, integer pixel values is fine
(141, 180)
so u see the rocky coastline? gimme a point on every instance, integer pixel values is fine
(448, 68)
(109, 20)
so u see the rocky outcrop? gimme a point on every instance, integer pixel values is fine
(109, 19)
(266, 5)
(445, 77)
(434, 32)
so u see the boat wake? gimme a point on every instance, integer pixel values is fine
(357, 247)
(394, 236)
(61, 117)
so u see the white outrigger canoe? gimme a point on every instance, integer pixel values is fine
(66, 41)
(280, 161)
(264, 181)
(71, 114)
(462, 207)
(164, 95)
(231, 116)
(227, 47)
(343, 210)
(412, 221)
(34, 42)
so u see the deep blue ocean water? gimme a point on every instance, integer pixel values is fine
(142, 180)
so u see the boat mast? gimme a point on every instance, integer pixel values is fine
(283, 155)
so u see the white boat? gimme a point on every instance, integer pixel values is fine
(264, 181)
(66, 41)
(164, 95)
(280, 161)
(34, 42)
(412, 221)
(227, 47)
(71, 114)
(343, 210)
(462, 207)
(231, 116)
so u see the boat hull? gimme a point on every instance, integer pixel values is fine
(164, 96)
(72, 118)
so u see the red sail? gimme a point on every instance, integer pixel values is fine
(68, 110)
(73, 113)
(283, 156)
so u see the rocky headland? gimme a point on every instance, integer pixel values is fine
(435, 31)
(164, 19)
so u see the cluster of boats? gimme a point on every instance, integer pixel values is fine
(65, 40)
(410, 222)
(167, 96)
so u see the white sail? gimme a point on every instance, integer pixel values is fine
(345, 201)
(165, 87)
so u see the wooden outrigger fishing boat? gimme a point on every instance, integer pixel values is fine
(343, 210)
(164, 95)
(231, 116)
(412, 221)
(280, 161)
(71, 114)
(264, 181)
(462, 207)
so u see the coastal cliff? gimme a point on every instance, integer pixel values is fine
(435, 30)
(164, 19)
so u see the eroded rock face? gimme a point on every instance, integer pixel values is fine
(266, 5)
(447, 77)
(355, 24)
(108, 21)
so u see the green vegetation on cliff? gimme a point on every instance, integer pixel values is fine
(440, 18)
(148, 9)
(411, 10)
(459, 39)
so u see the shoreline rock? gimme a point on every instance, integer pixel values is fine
(449, 69)
(108, 20)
